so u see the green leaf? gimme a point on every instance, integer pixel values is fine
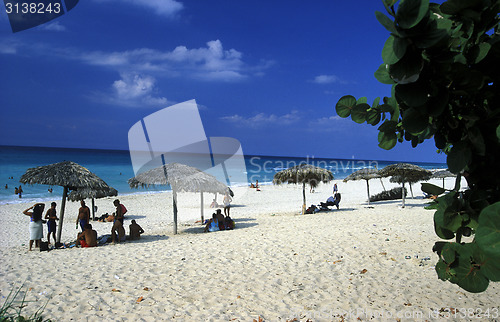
(438, 103)
(498, 133)
(387, 140)
(358, 113)
(414, 94)
(345, 105)
(362, 100)
(488, 231)
(411, 12)
(407, 69)
(388, 126)
(386, 22)
(467, 275)
(414, 122)
(459, 157)
(382, 75)
(394, 49)
(453, 7)
(490, 266)
(448, 253)
(376, 102)
(482, 51)
(373, 116)
(432, 189)
(442, 270)
(477, 140)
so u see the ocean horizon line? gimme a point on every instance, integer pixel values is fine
(26, 147)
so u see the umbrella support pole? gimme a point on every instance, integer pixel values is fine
(174, 197)
(93, 209)
(403, 194)
(304, 195)
(368, 191)
(61, 217)
(202, 217)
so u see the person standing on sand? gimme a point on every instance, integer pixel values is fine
(135, 230)
(119, 214)
(36, 226)
(227, 203)
(335, 189)
(51, 223)
(83, 215)
(117, 232)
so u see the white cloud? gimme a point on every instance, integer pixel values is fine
(263, 119)
(8, 47)
(212, 62)
(325, 79)
(209, 63)
(133, 90)
(325, 124)
(53, 26)
(167, 8)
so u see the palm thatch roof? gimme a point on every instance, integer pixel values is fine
(405, 170)
(89, 193)
(65, 174)
(180, 177)
(303, 173)
(443, 174)
(363, 174)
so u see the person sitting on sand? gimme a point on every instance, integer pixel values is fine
(220, 219)
(117, 232)
(213, 224)
(83, 216)
(214, 204)
(88, 238)
(51, 223)
(135, 230)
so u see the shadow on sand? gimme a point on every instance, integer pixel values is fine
(241, 223)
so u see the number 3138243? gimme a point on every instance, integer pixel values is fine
(33, 8)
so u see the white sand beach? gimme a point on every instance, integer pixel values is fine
(276, 265)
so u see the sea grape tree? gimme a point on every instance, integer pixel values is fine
(443, 63)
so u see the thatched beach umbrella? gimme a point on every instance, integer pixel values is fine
(67, 174)
(89, 193)
(181, 178)
(364, 174)
(442, 174)
(405, 172)
(303, 173)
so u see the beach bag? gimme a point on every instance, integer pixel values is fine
(44, 246)
(124, 210)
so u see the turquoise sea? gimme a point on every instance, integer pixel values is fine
(115, 167)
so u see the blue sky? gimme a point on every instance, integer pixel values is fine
(267, 73)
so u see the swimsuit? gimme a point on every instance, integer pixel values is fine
(83, 222)
(214, 226)
(51, 225)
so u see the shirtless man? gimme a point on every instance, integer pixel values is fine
(88, 238)
(119, 215)
(135, 230)
(51, 223)
(117, 229)
(83, 216)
